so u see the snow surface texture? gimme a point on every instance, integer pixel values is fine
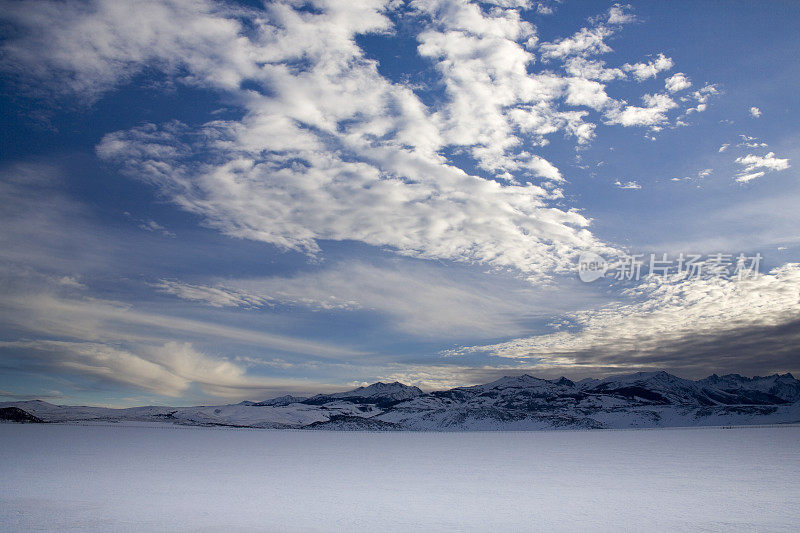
(641, 400)
(172, 478)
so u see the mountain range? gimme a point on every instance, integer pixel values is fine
(640, 400)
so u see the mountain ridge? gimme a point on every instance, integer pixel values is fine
(521, 402)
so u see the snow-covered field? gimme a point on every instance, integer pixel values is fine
(171, 478)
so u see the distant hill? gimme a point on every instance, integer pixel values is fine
(640, 400)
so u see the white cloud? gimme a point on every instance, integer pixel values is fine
(749, 176)
(755, 112)
(589, 69)
(699, 108)
(330, 149)
(703, 94)
(675, 322)
(617, 14)
(100, 44)
(677, 82)
(627, 185)
(583, 92)
(523, 4)
(492, 98)
(752, 163)
(652, 114)
(650, 69)
(723, 147)
(701, 97)
(414, 186)
(700, 175)
(437, 211)
(587, 41)
(71, 282)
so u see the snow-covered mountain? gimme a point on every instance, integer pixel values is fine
(641, 400)
(382, 394)
(784, 386)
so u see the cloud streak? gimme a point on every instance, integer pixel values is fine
(699, 324)
(214, 296)
(168, 370)
(417, 299)
(109, 321)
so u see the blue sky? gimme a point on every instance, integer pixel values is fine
(209, 201)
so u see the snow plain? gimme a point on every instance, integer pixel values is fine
(171, 478)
